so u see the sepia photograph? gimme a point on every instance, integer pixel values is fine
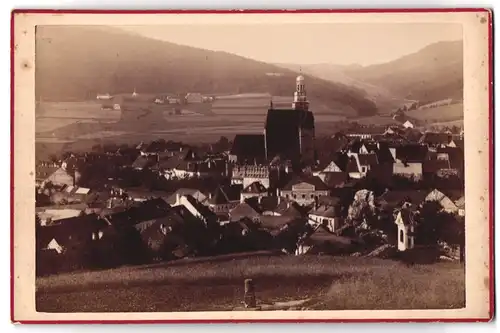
(233, 166)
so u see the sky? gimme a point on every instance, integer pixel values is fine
(339, 43)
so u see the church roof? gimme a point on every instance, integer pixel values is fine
(249, 147)
(277, 118)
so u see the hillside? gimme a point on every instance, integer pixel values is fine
(76, 63)
(433, 73)
(216, 284)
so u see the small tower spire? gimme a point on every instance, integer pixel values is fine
(299, 97)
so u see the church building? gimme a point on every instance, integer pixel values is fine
(289, 133)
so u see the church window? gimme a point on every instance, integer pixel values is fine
(401, 236)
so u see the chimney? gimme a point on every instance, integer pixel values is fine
(177, 198)
(260, 199)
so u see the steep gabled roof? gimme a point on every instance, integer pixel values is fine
(436, 138)
(397, 198)
(219, 197)
(341, 159)
(143, 211)
(327, 211)
(249, 147)
(456, 156)
(255, 187)
(384, 154)
(202, 209)
(243, 210)
(185, 191)
(432, 166)
(277, 118)
(333, 179)
(412, 153)
(368, 160)
(142, 161)
(352, 165)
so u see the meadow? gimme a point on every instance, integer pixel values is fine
(439, 114)
(216, 284)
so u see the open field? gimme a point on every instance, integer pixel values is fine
(216, 283)
(381, 120)
(439, 114)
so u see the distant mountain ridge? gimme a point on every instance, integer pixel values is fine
(430, 74)
(77, 63)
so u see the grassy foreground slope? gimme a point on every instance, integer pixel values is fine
(216, 284)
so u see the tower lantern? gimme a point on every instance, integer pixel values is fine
(299, 97)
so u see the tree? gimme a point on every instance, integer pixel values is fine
(435, 225)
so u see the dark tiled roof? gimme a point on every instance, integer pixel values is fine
(202, 209)
(233, 191)
(172, 219)
(321, 235)
(435, 138)
(181, 192)
(249, 147)
(144, 161)
(355, 145)
(154, 147)
(384, 154)
(328, 200)
(368, 160)
(315, 181)
(432, 166)
(453, 195)
(370, 146)
(268, 203)
(326, 211)
(396, 198)
(456, 156)
(274, 222)
(143, 211)
(255, 187)
(333, 179)
(341, 159)
(277, 118)
(411, 153)
(71, 229)
(352, 165)
(219, 197)
(243, 210)
(294, 210)
(459, 143)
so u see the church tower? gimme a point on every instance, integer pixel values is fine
(300, 97)
(289, 133)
